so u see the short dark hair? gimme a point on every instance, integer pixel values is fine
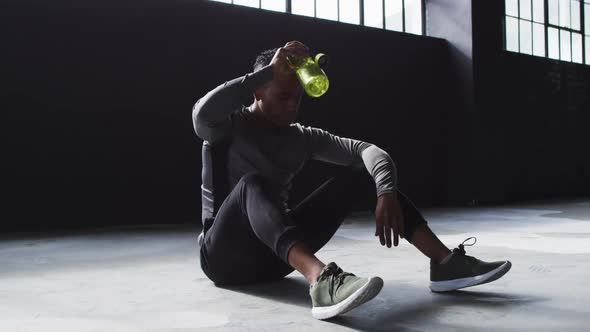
(263, 59)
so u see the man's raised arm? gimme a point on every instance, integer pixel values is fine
(211, 113)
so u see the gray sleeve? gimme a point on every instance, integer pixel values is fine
(212, 112)
(330, 148)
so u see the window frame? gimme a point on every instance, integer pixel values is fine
(548, 25)
(289, 7)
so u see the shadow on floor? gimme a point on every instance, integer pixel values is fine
(397, 307)
(408, 308)
(290, 290)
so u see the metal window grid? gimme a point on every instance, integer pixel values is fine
(289, 9)
(547, 25)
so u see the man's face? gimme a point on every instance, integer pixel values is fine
(280, 101)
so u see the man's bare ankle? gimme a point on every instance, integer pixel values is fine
(441, 257)
(314, 274)
(303, 260)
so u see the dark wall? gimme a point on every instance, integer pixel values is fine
(532, 118)
(97, 99)
(451, 20)
(522, 121)
(548, 104)
(489, 120)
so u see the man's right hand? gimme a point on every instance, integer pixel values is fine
(389, 217)
(280, 65)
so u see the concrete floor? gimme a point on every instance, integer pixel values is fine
(148, 279)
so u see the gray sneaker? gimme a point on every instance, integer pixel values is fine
(337, 292)
(459, 271)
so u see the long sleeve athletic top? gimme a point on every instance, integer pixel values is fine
(279, 153)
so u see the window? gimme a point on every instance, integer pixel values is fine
(396, 15)
(557, 29)
(327, 9)
(303, 7)
(278, 6)
(249, 3)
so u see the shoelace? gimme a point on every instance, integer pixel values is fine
(461, 249)
(334, 276)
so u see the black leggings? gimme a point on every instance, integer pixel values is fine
(252, 233)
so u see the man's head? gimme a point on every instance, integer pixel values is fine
(278, 102)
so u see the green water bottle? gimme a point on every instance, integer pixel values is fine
(312, 77)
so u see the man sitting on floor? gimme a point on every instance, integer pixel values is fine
(256, 237)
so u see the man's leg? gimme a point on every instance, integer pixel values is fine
(429, 244)
(252, 234)
(422, 236)
(250, 237)
(449, 270)
(320, 214)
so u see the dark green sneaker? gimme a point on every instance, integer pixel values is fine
(337, 292)
(459, 271)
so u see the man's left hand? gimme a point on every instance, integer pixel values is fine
(388, 217)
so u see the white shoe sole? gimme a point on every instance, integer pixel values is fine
(450, 285)
(362, 295)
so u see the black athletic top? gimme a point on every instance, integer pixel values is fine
(278, 153)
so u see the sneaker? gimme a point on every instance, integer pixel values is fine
(337, 292)
(459, 270)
